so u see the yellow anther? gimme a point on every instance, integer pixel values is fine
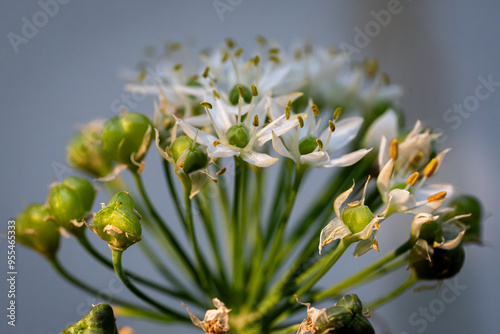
(301, 121)
(371, 66)
(216, 143)
(205, 73)
(221, 171)
(238, 52)
(315, 109)
(241, 91)
(437, 196)
(336, 113)
(274, 50)
(375, 245)
(431, 167)
(206, 105)
(255, 92)
(225, 57)
(181, 165)
(177, 67)
(320, 144)
(175, 46)
(412, 179)
(142, 75)
(331, 125)
(255, 121)
(230, 43)
(394, 149)
(216, 95)
(288, 110)
(415, 160)
(274, 59)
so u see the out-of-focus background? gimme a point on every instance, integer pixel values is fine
(65, 71)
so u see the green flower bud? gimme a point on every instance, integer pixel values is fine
(32, 230)
(430, 232)
(463, 205)
(443, 263)
(346, 317)
(356, 217)
(85, 152)
(238, 135)
(234, 95)
(69, 201)
(98, 320)
(307, 145)
(126, 138)
(118, 223)
(195, 158)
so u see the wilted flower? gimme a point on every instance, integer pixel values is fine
(215, 321)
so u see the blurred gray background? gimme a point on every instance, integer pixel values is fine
(67, 73)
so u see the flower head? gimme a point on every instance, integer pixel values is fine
(355, 222)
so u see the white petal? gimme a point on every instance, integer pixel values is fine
(383, 152)
(315, 159)
(335, 229)
(278, 126)
(348, 159)
(280, 148)
(202, 137)
(221, 151)
(341, 199)
(198, 180)
(365, 245)
(451, 244)
(385, 125)
(273, 76)
(384, 179)
(399, 200)
(419, 220)
(258, 159)
(345, 131)
(428, 207)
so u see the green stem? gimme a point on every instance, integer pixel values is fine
(394, 293)
(117, 264)
(238, 265)
(364, 274)
(171, 188)
(286, 330)
(165, 230)
(83, 286)
(133, 312)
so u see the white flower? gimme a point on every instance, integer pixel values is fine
(304, 147)
(355, 222)
(235, 137)
(215, 321)
(384, 126)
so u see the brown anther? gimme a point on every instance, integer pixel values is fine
(206, 105)
(375, 245)
(288, 109)
(221, 171)
(205, 73)
(301, 121)
(256, 60)
(331, 125)
(394, 149)
(315, 109)
(436, 196)
(412, 179)
(336, 113)
(216, 143)
(431, 167)
(181, 165)
(241, 91)
(415, 160)
(255, 122)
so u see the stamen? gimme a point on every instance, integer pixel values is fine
(274, 50)
(177, 67)
(221, 171)
(206, 105)
(256, 60)
(431, 167)
(216, 95)
(241, 91)
(288, 109)
(255, 92)
(364, 190)
(225, 57)
(205, 73)
(216, 143)
(371, 66)
(230, 43)
(175, 46)
(255, 121)
(301, 121)
(336, 113)
(331, 125)
(274, 59)
(320, 144)
(437, 196)
(412, 179)
(394, 149)
(261, 40)
(142, 75)
(315, 109)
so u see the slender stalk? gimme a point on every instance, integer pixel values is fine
(238, 265)
(133, 312)
(117, 264)
(171, 188)
(81, 285)
(165, 229)
(286, 330)
(394, 293)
